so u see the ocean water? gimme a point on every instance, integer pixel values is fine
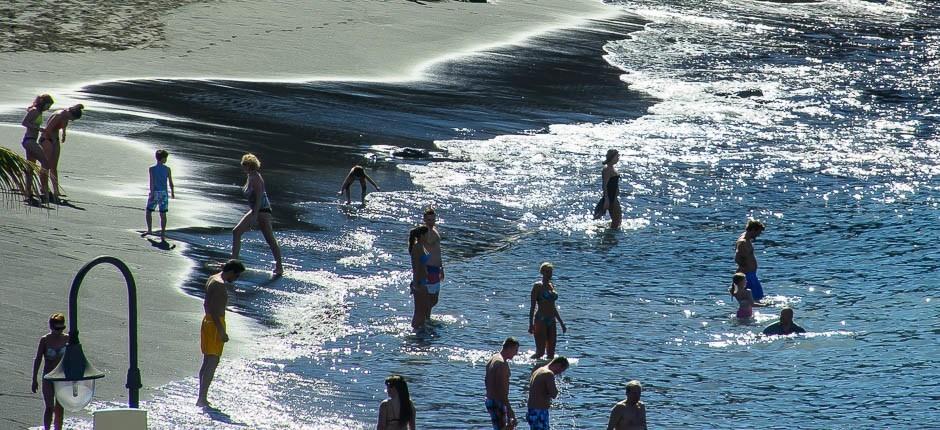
(819, 118)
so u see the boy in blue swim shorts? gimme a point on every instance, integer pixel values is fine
(160, 177)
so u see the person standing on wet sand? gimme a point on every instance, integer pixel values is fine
(542, 390)
(435, 265)
(34, 152)
(542, 321)
(259, 213)
(213, 333)
(497, 386)
(630, 413)
(52, 142)
(160, 176)
(610, 185)
(744, 256)
(51, 350)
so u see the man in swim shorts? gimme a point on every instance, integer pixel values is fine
(542, 390)
(497, 386)
(744, 256)
(160, 176)
(213, 334)
(435, 266)
(630, 413)
(785, 326)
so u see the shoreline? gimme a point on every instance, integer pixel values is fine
(129, 206)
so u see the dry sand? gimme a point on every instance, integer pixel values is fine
(106, 178)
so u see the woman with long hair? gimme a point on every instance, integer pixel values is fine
(420, 256)
(51, 350)
(397, 412)
(34, 152)
(259, 212)
(610, 202)
(543, 314)
(52, 141)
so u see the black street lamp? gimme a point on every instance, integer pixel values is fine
(74, 378)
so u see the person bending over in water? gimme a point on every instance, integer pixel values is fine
(542, 321)
(497, 403)
(610, 202)
(785, 326)
(542, 390)
(52, 142)
(51, 350)
(629, 414)
(397, 412)
(744, 256)
(259, 212)
(357, 173)
(33, 123)
(740, 292)
(417, 249)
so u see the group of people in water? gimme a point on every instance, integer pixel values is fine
(42, 145)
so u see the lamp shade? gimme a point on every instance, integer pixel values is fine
(73, 379)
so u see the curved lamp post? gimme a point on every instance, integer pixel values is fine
(74, 378)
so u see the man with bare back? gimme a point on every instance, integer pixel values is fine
(497, 386)
(744, 256)
(213, 334)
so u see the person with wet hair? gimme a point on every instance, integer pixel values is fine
(744, 257)
(259, 212)
(397, 412)
(417, 250)
(34, 152)
(543, 313)
(50, 352)
(53, 137)
(542, 390)
(357, 173)
(785, 326)
(610, 201)
(630, 413)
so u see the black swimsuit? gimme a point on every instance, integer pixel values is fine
(613, 192)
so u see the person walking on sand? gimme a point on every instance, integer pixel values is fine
(51, 350)
(213, 333)
(610, 202)
(160, 176)
(497, 386)
(52, 142)
(435, 265)
(397, 412)
(630, 413)
(543, 313)
(417, 250)
(357, 173)
(744, 256)
(542, 390)
(33, 123)
(744, 296)
(259, 212)
(785, 326)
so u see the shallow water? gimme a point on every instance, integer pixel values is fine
(818, 118)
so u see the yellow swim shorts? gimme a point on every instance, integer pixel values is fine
(210, 338)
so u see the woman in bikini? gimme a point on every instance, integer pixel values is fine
(52, 142)
(397, 412)
(259, 212)
(51, 349)
(420, 256)
(744, 296)
(34, 152)
(542, 321)
(610, 202)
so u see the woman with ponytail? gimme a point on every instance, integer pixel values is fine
(419, 276)
(397, 412)
(34, 152)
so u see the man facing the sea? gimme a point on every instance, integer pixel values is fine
(213, 334)
(497, 386)
(542, 390)
(435, 265)
(744, 256)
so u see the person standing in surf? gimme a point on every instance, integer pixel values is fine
(357, 173)
(34, 152)
(52, 142)
(610, 202)
(543, 313)
(542, 390)
(213, 334)
(259, 212)
(744, 256)
(497, 386)
(51, 350)
(435, 266)
(630, 413)
(160, 176)
(397, 412)
(417, 250)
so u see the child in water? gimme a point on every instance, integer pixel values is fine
(744, 296)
